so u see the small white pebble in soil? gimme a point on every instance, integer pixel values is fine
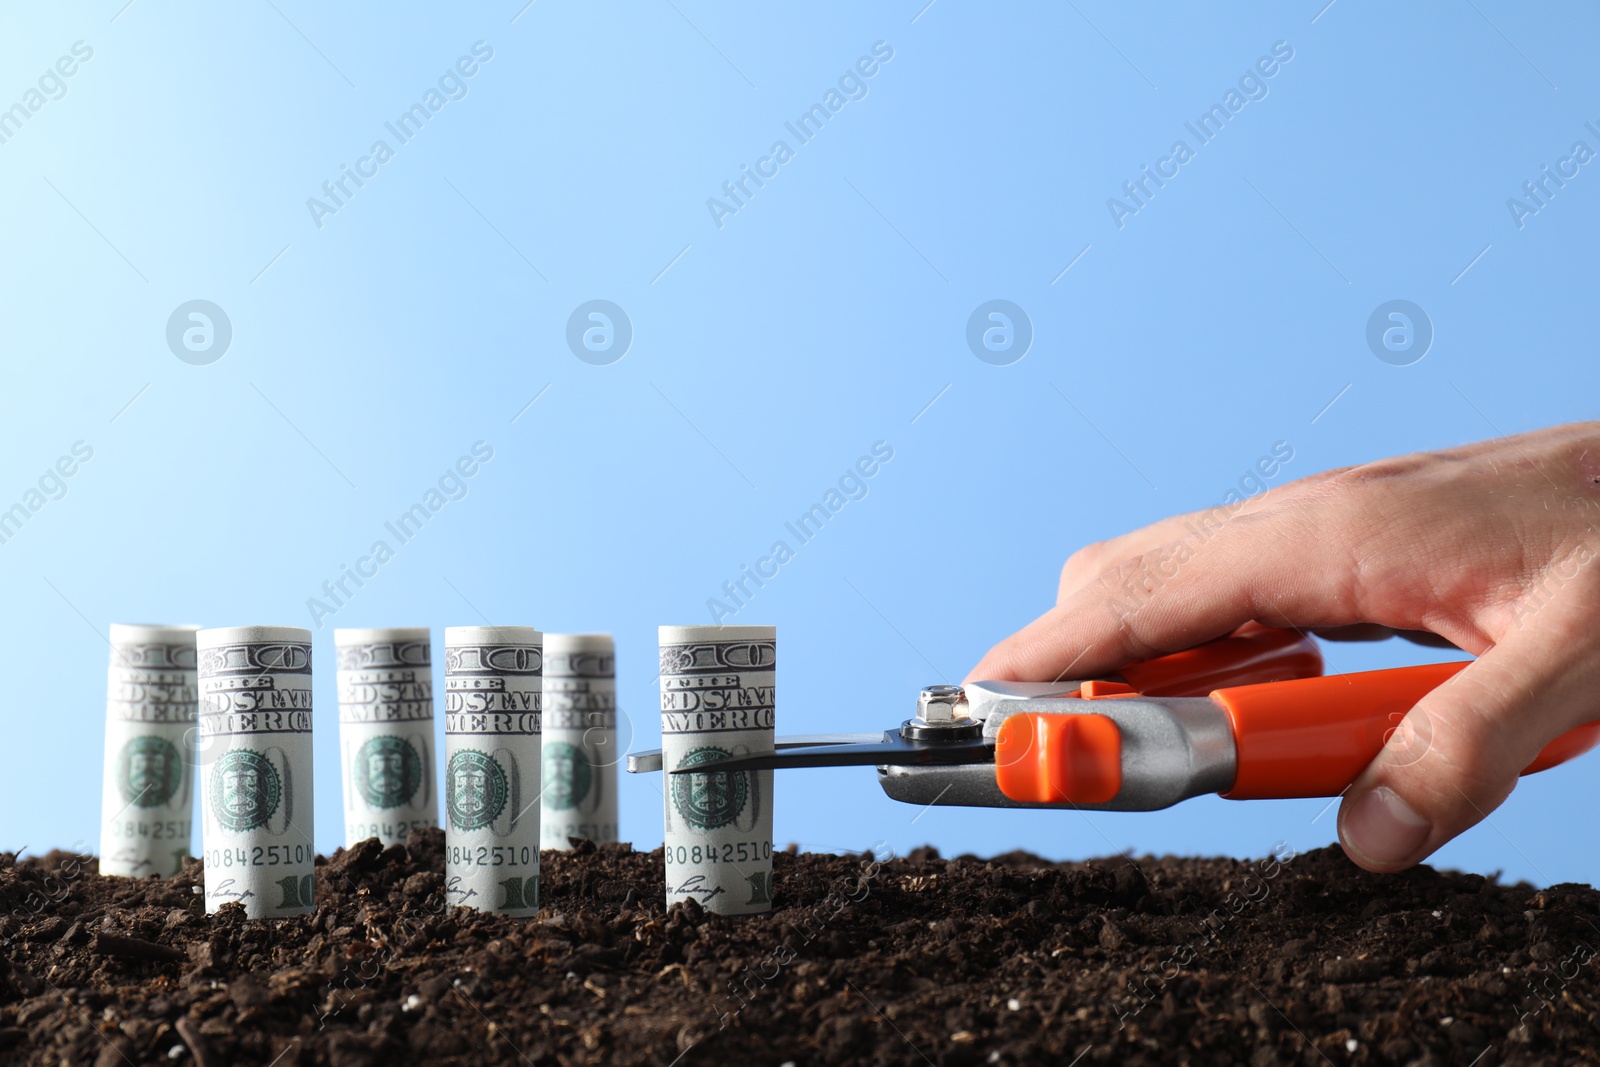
(176, 1052)
(412, 1003)
(1351, 1044)
(994, 1057)
(1447, 1020)
(1014, 1004)
(1438, 915)
(197, 890)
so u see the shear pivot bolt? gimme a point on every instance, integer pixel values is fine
(942, 716)
(941, 705)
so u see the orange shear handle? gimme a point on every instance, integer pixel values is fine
(1311, 737)
(1250, 655)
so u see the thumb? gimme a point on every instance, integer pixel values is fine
(1458, 753)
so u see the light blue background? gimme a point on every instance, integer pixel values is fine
(768, 354)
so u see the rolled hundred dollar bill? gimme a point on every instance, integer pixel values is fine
(386, 733)
(579, 777)
(492, 704)
(147, 793)
(255, 766)
(718, 700)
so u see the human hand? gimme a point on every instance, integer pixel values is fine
(1489, 546)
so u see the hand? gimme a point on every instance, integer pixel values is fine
(1491, 547)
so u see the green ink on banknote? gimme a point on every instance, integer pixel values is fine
(567, 776)
(713, 799)
(245, 790)
(475, 789)
(387, 772)
(149, 771)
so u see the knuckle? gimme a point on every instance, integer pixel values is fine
(1135, 575)
(1456, 767)
(1386, 469)
(1087, 552)
(1377, 476)
(1404, 735)
(1083, 560)
(1125, 630)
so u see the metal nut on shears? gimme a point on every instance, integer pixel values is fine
(941, 716)
(941, 703)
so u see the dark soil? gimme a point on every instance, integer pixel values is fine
(919, 960)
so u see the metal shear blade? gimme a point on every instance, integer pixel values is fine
(649, 760)
(889, 748)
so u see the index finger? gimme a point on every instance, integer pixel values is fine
(1277, 567)
(1088, 562)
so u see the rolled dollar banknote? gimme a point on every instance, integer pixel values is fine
(255, 767)
(147, 797)
(492, 704)
(579, 779)
(718, 700)
(385, 682)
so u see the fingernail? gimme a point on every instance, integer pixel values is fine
(1383, 828)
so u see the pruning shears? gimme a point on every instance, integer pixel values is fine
(1250, 716)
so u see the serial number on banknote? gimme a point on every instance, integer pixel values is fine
(259, 856)
(490, 855)
(727, 852)
(166, 830)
